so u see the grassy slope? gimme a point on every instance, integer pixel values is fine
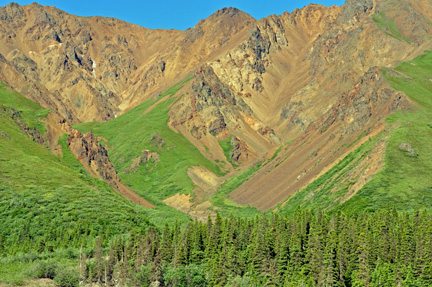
(225, 205)
(405, 182)
(328, 189)
(227, 149)
(388, 26)
(31, 110)
(129, 134)
(45, 204)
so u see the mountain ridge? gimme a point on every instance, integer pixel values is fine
(239, 146)
(298, 91)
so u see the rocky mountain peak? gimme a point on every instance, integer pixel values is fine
(228, 11)
(228, 16)
(12, 12)
(353, 10)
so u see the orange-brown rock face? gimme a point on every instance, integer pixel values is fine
(92, 68)
(92, 155)
(311, 75)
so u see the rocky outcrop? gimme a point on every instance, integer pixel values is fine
(245, 65)
(240, 151)
(24, 65)
(147, 156)
(353, 11)
(92, 155)
(156, 141)
(31, 132)
(210, 107)
(13, 13)
(209, 91)
(370, 97)
(408, 149)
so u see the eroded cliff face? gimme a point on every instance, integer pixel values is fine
(94, 157)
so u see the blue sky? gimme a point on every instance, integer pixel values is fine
(172, 14)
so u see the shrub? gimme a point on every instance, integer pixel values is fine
(67, 278)
(45, 269)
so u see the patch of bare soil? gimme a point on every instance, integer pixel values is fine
(180, 202)
(183, 203)
(132, 196)
(206, 182)
(198, 206)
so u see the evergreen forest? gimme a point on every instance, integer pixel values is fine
(309, 248)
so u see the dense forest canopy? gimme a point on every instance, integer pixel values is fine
(310, 248)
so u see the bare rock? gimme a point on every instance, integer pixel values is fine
(146, 156)
(32, 133)
(240, 151)
(4, 135)
(366, 99)
(157, 140)
(12, 12)
(354, 10)
(408, 149)
(92, 154)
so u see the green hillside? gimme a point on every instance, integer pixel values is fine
(44, 203)
(405, 182)
(145, 128)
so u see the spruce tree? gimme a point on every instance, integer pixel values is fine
(99, 262)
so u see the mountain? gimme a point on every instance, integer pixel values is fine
(110, 132)
(323, 107)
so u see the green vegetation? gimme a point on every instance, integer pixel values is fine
(31, 111)
(16, 269)
(327, 191)
(225, 205)
(388, 26)
(44, 203)
(226, 147)
(276, 153)
(145, 128)
(137, 130)
(406, 181)
(306, 249)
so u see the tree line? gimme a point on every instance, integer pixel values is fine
(309, 248)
